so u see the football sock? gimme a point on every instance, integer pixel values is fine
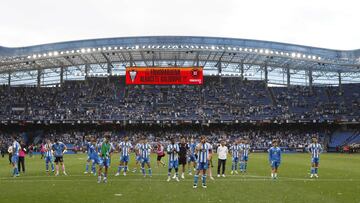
(143, 171)
(204, 179)
(196, 178)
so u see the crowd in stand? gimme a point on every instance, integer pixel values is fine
(217, 99)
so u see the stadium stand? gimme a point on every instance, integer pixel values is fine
(219, 99)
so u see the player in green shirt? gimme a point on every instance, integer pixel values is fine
(105, 152)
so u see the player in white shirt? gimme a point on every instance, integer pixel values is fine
(235, 152)
(315, 149)
(244, 155)
(222, 152)
(15, 157)
(124, 148)
(138, 155)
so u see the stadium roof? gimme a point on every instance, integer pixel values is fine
(221, 55)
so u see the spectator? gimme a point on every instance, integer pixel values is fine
(222, 152)
(21, 162)
(10, 151)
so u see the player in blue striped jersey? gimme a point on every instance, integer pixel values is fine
(274, 158)
(244, 155)
(202, 150)
(173, 150)
(112, 149)
(94, 149)
(210, 161)
(125, 148)
(137, 155)
(48, 156)
(235, 153)
(192, 155)
(87, 144)
(15, 156)
(315, 149)
(145, 152)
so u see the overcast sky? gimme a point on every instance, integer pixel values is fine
(321, 23)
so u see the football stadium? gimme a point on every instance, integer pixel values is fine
(147, 97)
(175, 118)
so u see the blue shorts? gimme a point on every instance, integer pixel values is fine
(235, 159)
(275, 164)
(93, 157)
(48, 159)
(96, 160)
(88, 157)
(173, 164)
(124, 159)
(245, 158)
(14, 159)
(192, 158)
(104, 162)
(315, 160)
(145, 160)
(202, 166)
(138, 158)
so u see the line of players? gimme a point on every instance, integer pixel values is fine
(199, 154)
(54, 151)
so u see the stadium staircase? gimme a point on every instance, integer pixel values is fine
(354, 138)
(338, 138)
(272, 97)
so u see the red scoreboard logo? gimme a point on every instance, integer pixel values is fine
(164, 76)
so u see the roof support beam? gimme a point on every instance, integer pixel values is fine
(196, 60)
(242, 70)
(288, 76)
(266, 74)
(132, 62)
(219, 63)
(39, 74)
(340, 85)
(207, 58)
(87, 67)
(61, 75)
(109, 64)
(143, 58)
(219, 68)
(310, 72)
(9, 79)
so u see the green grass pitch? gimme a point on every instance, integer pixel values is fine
(339, 182)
